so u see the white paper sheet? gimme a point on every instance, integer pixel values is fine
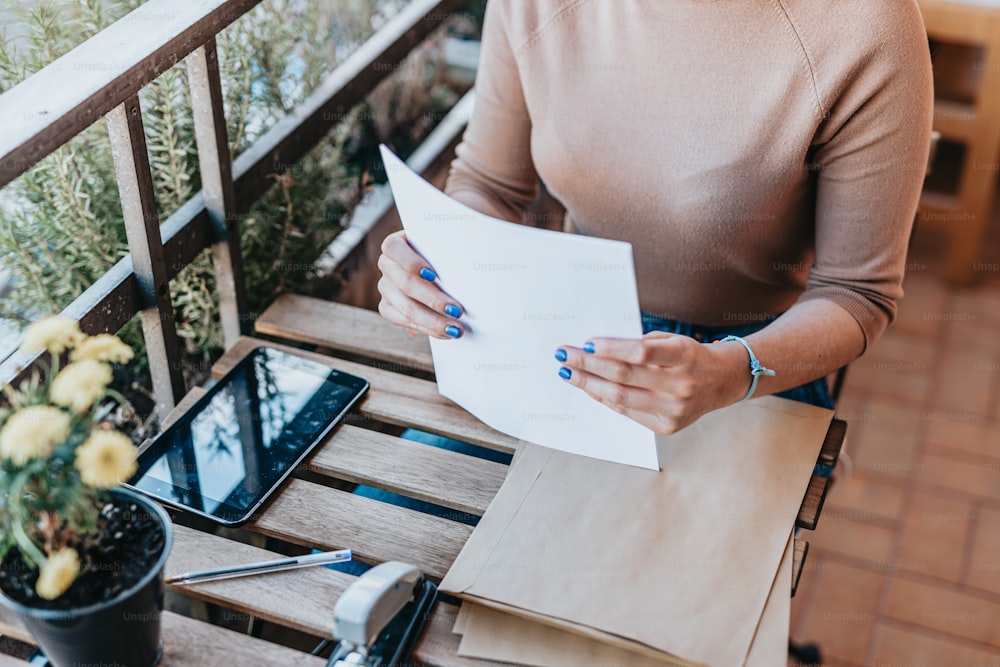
(526, 292)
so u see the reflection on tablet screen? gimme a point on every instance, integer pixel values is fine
(221, 459)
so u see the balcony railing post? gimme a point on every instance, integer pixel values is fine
(218, 187)
(104, 73)
(142, 227)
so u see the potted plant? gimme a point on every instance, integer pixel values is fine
(81, 560)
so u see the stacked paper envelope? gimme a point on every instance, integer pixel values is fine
(580, 561)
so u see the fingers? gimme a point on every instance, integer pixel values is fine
(645, 376)
(656, 348)
(418, 288)
(661, 413)
(400, 309)
(653, 381)
(657, 362)
(410, 296)
(398, 249)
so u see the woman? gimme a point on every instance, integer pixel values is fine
(763, 157)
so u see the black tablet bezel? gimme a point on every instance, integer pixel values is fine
(153, 451)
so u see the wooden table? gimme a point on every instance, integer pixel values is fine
(314, 510)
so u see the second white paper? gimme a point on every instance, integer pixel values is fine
(526, 292)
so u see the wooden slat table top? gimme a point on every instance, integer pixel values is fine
(395, 399)
(363, 456)
(358, 331)
(345, 328)
(426, 473)
(312, 511)
(300, 599)
(191, 643)
(319, 517)
(355, 331)
(10, 626)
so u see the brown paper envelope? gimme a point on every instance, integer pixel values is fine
(678, 561)
(770, 643)
(495, 635)
(462, 616)
(524, 470)
(461, 619)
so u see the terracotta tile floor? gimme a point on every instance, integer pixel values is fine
(904, 568)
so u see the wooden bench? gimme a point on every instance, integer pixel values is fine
(315, 509)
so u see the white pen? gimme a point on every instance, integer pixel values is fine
(262, 568)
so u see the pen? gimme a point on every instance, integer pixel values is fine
(262, 568)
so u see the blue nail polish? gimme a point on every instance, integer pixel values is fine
(453, 331)
(565, 373)
(428, 275)
(560, 355)
(453, 310)
(588, 347)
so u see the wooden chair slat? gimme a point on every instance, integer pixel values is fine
(800, 549)
(447, 478)
(833, 443)
(812, 502)
(345, 328)
(323, 518)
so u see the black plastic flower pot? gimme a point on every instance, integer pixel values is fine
(123, 631)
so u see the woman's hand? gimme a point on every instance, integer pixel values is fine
(663, 381)
(410, 296)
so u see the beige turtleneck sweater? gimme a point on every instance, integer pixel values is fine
(755, 153)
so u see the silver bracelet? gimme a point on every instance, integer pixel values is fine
(756, 368)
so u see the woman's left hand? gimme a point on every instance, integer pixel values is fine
(663, 381)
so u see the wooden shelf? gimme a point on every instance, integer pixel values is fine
(966, 39)
(955, 120)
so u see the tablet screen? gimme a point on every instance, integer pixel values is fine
(243, 437)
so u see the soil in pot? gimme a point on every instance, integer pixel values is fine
(127, 545)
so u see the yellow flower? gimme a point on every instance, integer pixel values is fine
(80, 384)
(105, 459)
(57, 574)
(54, 334)
(102, 347)
(32, 433)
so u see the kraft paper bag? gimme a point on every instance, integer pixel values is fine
(677, 561)
(770, 643)
(494, 635)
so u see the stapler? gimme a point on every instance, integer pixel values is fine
(379, 617)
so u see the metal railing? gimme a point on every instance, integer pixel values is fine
(102, 78)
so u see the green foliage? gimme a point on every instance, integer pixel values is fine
(61, 222)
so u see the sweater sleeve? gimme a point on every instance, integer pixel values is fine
(870, 156)
(493, 172)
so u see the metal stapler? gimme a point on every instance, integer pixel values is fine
(379, 617)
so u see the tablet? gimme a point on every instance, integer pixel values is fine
(239, 441)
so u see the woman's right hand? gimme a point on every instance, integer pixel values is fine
(410, 294)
